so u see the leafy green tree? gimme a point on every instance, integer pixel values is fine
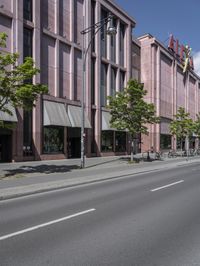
(182, 126)
(129, 110)
(16, 87)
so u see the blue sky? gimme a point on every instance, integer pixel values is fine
(163, 17)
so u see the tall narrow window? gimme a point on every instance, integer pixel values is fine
(113, 43)
(113, 82)
(28, 9)
(92, 23)
(104, 15)
(122, 39)
(28, 47)
(122, 80)
(103, 84)
(27, 122)
(93, 81)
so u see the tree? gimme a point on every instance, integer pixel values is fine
(16, 86)
(182, 126)
(129, 110)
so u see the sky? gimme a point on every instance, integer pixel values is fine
(161, 18)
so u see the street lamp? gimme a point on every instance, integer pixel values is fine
(94, 29)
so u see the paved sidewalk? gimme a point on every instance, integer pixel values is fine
(27, 178)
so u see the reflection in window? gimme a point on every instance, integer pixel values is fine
(120, 141)
(165, 142)
(107, 141)
(53, 140)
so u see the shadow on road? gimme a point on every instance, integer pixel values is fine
(43, 169)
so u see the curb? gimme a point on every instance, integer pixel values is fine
(50, 186)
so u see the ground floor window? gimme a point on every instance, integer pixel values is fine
(53, 140)
(114, 141)
(120, 141)
(107, 138)
(165, 142)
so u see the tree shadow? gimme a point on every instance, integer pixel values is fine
(41, 169)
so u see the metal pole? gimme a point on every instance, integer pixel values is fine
(82, 102)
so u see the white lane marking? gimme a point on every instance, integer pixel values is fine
(169, 185)
(45, 224)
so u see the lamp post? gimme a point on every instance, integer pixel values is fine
(94, 29)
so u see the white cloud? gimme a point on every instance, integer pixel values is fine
(196, 58)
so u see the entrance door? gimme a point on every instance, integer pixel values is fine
(74, 142)
(5, 148)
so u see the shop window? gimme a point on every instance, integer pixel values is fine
(165, 142)
(53, 140)
(107, 141)
(120, 141)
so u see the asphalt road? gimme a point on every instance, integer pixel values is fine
(149, 219)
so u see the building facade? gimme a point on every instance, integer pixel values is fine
(50, 32)
(168, 88)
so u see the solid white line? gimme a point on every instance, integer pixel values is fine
(45, 224)
(169, 185)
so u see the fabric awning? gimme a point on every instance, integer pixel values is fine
(7, 117)
(75, 116)
(55, 114)
(105, 122)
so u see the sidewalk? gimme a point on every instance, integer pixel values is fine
(25, 178)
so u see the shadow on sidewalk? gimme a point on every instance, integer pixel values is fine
(42, 169)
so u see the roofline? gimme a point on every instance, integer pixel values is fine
(156, 41)
(121, 10)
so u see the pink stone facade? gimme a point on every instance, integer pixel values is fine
(168, 88)
(57, 51)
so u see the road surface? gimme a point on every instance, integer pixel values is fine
(147, 219)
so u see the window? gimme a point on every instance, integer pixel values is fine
(113, 82)
(103, 84)
(93, 4)
(107, 141)
(122, 39)
(28, 10)
(113, 43)
(104, 15)
(120, 141)
(53, 140)
(93, 81)
(28, 43)
(122, 80)
(165, 142)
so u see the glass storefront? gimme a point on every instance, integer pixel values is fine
(165, 142)
(53, 140)
(120, 141)
(107, 141)
(113, 141)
